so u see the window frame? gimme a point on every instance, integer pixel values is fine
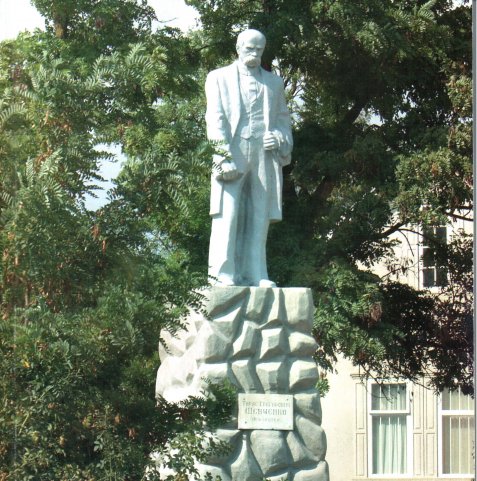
(407, 411)
(422, 246)
(440, 440)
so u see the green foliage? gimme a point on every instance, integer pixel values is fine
(85, 295)
(220, 400)
(77, 397)
(94, 27)
(381, 97)
(166, 177)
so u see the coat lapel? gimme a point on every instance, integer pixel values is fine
(234, 98)
(267, 100)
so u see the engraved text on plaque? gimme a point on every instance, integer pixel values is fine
(265, 411)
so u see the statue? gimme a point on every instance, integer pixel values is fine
(248, 119)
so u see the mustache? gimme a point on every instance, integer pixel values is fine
(252, 57)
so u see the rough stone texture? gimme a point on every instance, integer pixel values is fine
(258, 338)
(244, 346)
(274, 343)
(302, 344)
(245, 376)
(308, 404)
(245, 467)
(299, 452)
(270, 449)
(303, 375)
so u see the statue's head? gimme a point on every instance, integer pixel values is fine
(250, 46)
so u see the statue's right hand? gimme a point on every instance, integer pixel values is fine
(227, 171)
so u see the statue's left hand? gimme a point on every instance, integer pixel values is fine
(270, 142)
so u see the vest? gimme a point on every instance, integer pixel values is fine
(251, 123)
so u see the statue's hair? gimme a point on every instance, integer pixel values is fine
(250, 32)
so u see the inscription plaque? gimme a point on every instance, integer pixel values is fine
(265, 411)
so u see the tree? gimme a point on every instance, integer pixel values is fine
(381, 98)
(84, 294)
(380, 92)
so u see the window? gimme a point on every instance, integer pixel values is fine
(433, 275)
(390, 425)
(456, 434)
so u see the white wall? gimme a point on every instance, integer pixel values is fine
(338, 408)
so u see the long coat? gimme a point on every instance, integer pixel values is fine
(222, 118)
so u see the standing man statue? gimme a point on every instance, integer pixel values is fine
(248, 119)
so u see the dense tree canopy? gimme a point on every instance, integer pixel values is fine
(85, 294)
(381, 97)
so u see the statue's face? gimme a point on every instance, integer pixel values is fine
(251, 50)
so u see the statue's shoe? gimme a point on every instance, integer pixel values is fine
(265, 283)
(224, 280)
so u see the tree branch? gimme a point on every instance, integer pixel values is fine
(353, 113)
(391, 230)
(460, 217)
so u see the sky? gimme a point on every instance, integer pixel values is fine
(19, 15)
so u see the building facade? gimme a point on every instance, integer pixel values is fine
(396, 430)
(393, 429)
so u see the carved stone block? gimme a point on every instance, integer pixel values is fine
(274, 343)
(271, 450)
(303, 375)
(273, 376)
(259, 340)
(245, 467)
(302, 345)
(245, 375)
(246, 343)
(318, 473)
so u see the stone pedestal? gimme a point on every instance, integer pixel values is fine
(258, 338)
